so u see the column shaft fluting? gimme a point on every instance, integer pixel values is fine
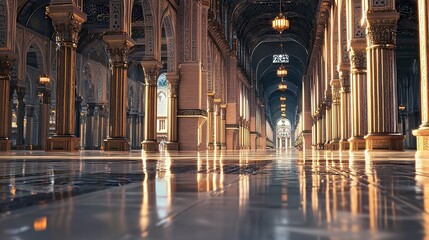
(359, 98)
(422, 133)
(345, 108)
(150, 142)
(173, 86)
(67, 20)
(118, 46)
(6, 63)
(381, 87)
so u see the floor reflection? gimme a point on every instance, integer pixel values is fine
(227, 195)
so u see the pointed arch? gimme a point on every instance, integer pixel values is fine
(167, 22)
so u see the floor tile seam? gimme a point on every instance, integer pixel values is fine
(382, 190)
(58, 203)
(169, 219)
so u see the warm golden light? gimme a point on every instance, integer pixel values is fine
(281, 72)
(44, 79)
(40, 224)
(280, 23)
(283, 114)
(283, 105)
(282, 86)
(283, 109)
(402, 107)
(282, 98)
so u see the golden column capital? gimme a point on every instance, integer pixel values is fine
(67, 20)
(151, 69)
(382, 27)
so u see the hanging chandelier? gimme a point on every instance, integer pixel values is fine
(44, 79)
(283, 105)
(282, 98)
(280, 23)
(282, 86)
(283, 109)
(284, 115)
(281, 72)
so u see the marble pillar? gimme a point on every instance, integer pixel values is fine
(90, 126)
(223, 126)
(422, 133)
(29, 132)
(173, 85)
(217, 122)
(6, 64)
(345, 107)
(67, 20)
(20, 117)
(118, 46)
(210, 121)
(306, 113)
(382, 80)
(44, 107)
(336, 114)
(358, 96)
(101, 124)
(151, 69)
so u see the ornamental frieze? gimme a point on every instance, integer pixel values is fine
(191, 113)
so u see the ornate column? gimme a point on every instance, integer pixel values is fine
(306, 112)
(217, 120)
(319, 131)
(151, 69)
(336, 122)
(210, 121)
(328, 121)
(90, 126)
(223, 126)
(67, 20)
(118, 48)
(345, 107)
(358, 81)
(381, 87)
(6, 64)
(78, 110)
(173, 85)
(101, 123)
(29, 126)
(44, 105)
(422, 133)
(20, 116)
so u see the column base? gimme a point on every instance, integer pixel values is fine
(62, 144)
(344, 145)
(357, 143)
(328, 146)
(5, 145)
(422, 135)
(335, 145)
(150, 146)
(211, 146)
(116, 144)
(320, 146)
(172, 146)
(218, 146)
(223, 146)
(388, 141)
(306, 137)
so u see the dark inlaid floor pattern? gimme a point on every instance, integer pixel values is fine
(227, 195)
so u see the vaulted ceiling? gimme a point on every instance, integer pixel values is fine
(252, 25)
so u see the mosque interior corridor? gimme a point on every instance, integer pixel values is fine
(214, 119)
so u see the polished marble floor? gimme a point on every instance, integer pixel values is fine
(224, 195)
